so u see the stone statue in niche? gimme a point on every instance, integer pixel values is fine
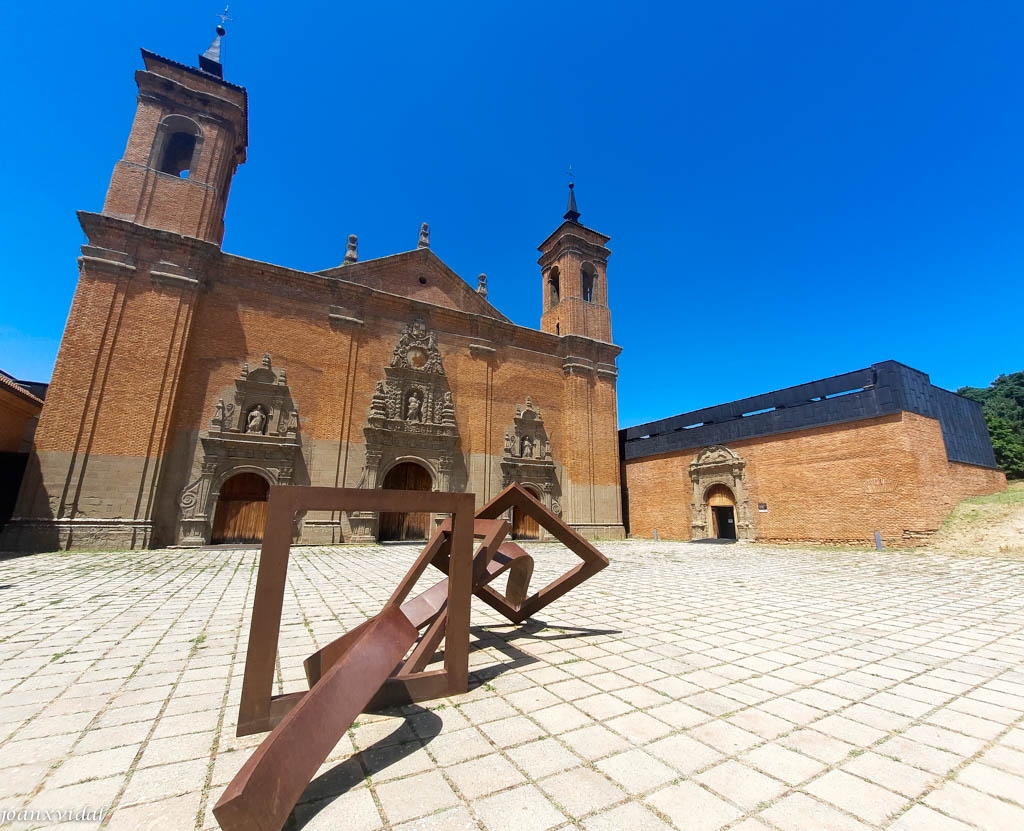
(527, 447)
(547, 450)
(289, 423)
(218, 414)
(256, 421)
(414, 408)
(509, 445)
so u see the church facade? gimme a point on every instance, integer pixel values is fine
(190, 380)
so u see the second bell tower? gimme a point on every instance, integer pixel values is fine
(574, 275)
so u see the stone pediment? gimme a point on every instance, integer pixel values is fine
(419, 275)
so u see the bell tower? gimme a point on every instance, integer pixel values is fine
(188, 138)
(574, 284)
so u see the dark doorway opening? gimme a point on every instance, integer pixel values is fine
(407, 476)
(725, 522)
(241, 509)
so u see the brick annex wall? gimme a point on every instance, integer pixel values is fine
(839, 483)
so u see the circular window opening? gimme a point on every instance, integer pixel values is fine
(423, 281)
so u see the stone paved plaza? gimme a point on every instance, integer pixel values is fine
(686, 686)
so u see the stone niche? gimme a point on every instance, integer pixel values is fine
(526, 457)
(718, 465)
(411, 418)
(255, 430)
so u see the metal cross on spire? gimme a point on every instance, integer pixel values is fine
(224, 16)
(572, 176)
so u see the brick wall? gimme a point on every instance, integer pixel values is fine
(17, 417)
(836, 483)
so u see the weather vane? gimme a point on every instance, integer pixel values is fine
(572, 176)
(224, 16)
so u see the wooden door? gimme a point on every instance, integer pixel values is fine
(241, 509)
(524, 527)
(721, 506)
(407, 476)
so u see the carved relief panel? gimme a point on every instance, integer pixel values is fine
(256, 430)
(526, 457)
(411, 416)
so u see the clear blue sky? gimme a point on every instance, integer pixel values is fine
(793, 189)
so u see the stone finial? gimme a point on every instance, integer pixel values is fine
(424, 236)
(448, 410)
(481, 285)
(266, 360)
(352, 250)
(245, 370)
(571, 213)
(379, 402)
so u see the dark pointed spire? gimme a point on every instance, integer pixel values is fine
(571, 213)
(209, 61)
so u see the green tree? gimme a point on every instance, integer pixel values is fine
(1002, 403)
(1008, 446)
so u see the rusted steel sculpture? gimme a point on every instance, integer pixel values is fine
(382, 661)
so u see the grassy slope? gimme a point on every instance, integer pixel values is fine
(991, 523)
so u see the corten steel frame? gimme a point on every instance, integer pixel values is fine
(365, 667)
(260, 710)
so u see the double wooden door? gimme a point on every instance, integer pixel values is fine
(241, 510)
(407, 476)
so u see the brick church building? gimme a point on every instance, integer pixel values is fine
(189, 380)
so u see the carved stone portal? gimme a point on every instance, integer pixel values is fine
(411, 418)
(717, 465)
(526, 458)
(257, 431)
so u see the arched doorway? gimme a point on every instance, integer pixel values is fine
(241, 509)
(722, 508)
(525, 527)
(407, 476)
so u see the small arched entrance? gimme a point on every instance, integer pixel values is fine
(406, 476)
(241, 509)
(722, 508)
(525, 527)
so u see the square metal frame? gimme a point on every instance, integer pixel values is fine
(259, 709)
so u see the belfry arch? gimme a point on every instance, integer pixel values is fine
(719, 487)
